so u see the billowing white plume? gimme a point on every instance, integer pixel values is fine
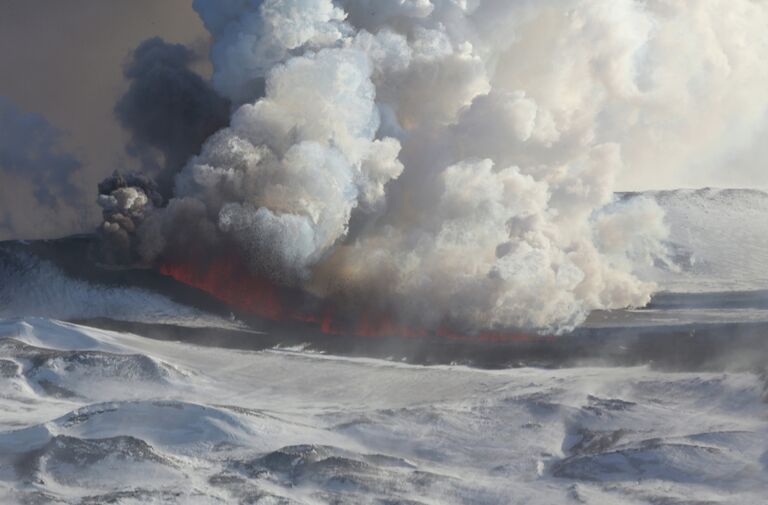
(454, 161)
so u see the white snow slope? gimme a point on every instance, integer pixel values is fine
(91, 416)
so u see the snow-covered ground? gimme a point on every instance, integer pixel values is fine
(718, 240)
(91, 416)
(34, 286)
(94, 416)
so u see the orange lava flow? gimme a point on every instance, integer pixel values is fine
(227, 280)
(224, 280)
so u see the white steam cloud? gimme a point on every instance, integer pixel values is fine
(454, 161)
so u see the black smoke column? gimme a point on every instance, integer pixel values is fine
(169, 109)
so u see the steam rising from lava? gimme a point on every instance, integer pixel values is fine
(452, 163)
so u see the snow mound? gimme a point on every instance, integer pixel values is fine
(70, 373)
(336, 475)
(103, 463)
(679, 461)
(185, 427)
(41, 332)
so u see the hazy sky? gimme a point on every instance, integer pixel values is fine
(64, 61)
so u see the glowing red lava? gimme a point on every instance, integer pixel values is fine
(226, 279)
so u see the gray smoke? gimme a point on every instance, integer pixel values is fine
(126, 201)
(39, 192)
(29, 149)
(472, 145)
(168, 108)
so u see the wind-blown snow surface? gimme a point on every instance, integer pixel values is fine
(92, 416)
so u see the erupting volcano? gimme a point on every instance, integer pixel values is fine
(387, 166)
(397, 168)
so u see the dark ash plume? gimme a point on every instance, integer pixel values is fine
(126, 201)
(168, 108)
